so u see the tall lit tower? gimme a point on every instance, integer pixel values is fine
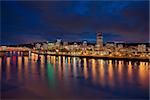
(99, 40)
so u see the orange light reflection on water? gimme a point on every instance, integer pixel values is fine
(69, 66)
(143, 73)
(26, 69)
(59, 67)
(124, 73)
(65, 72)
(0, 68)
(19, 68)
(120, 68)
(94, 70)
(74, 67)
(130, 72)
(42, 67)
(54, 62)
(110, 73)
(8, 69)
(85, 68)
(101, 72)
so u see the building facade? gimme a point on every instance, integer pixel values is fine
(99, 40)
(142, 48)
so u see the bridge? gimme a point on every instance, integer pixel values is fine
(8, 51)
(23, 51)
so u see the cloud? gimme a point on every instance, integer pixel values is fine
(48, 20)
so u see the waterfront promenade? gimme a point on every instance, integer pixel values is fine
(27, 51)
(93, 56)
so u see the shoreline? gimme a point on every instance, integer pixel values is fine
(26, 53)
(99, 57)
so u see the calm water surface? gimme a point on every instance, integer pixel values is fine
(59, 77)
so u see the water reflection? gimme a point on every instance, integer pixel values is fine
(110, 73)
(101, 72)
(85, 68)
(120, 72)
(143, 73)
(50, 73)
(60, 71)
(8, 68)
(69, 66)
(74, 67)
(65, 68)
(93, 70)
(26, 69)
(0, 69)
(19, 68)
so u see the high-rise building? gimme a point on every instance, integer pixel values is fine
(58, 42)
(84, 43)
(99, 40)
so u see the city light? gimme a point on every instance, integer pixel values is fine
(100, 49)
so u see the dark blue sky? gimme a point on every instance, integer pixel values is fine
(32, 21)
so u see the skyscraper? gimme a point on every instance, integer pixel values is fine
(99, 40)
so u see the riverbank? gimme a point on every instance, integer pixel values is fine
(26, 53)
(97, 57)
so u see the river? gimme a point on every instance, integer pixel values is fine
(60, 77)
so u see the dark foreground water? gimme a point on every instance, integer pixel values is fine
(51, 77)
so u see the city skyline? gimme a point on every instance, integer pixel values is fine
(74, 50)
(27, 22)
